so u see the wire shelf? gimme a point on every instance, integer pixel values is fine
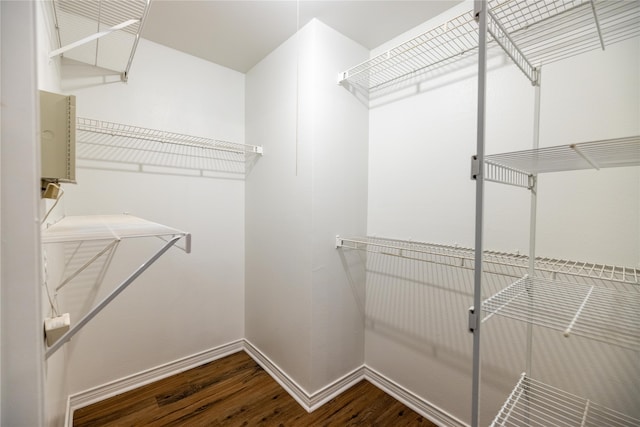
(105, 227)
(121, 143)
(509, 168)
(536, 404)
(501, 263)
(597, 313)
(531, 33)
(79, 25)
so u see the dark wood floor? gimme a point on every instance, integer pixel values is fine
(235, 391)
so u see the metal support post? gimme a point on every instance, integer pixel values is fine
(480, 9)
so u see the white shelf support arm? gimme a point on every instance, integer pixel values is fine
(595, 18)
(580, 153)
(567, 331)
(92, 37)
(110, 246)
(94, 311)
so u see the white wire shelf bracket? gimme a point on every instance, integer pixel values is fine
(100, 33)
(102, 141)
(517, 168)
(501, 36)
(534, 403)
(594, 312)
(532, 33)
(501, 263)
(111, 228)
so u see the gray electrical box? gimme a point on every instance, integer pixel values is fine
(58, 137)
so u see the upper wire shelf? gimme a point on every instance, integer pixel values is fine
(101, 33)
(536, 404)
(120, 143)
(598, 313)
(514, 168)
(501, 263)
(531, 33)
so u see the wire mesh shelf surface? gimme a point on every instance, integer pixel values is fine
(104, 227)
(501, 263)
(532, 33)
(536, 404)
(509, 168)
(594, 312)
(121, 143)
(77, 20)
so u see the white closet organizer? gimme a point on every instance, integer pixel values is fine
(143, 148)
(100, 33)
(596, 312)
(111, 229)
(530, 32)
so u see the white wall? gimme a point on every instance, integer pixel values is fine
(21, 345)
(421, 140)
(301, 310)
(183, 304)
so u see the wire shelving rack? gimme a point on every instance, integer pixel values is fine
(121, 143)
(531, 33)
(536, 404)
(516, 168)
(597, 313)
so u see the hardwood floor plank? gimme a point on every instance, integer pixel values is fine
(235, 391)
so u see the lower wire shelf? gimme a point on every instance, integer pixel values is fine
(602, 314)
(533, 403)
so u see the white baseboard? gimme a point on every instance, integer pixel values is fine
(431, 412)
(309, 401)
(113, 388)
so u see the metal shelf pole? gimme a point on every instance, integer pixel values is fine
(480, 10)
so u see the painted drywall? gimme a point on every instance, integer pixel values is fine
(301, 310)
(22, 348)
(421, 140)
(336, 125)
(185, 303)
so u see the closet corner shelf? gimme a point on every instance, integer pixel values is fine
(112, 228)
(100, 33)
(594, 312)
(531, 33)
(517, 168)
(535, 403)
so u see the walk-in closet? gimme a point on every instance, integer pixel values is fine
(314, 212)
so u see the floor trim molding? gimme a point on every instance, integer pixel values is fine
(309, 401)
(113, 388)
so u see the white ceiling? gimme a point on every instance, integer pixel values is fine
(238, 34)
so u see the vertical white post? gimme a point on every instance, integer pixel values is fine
(22, 338)
(480, 8)
(533, 215)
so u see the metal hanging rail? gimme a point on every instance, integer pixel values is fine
(500, 263)
(531, 33)
(535, 403)
(600, 314)
(110, 228)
